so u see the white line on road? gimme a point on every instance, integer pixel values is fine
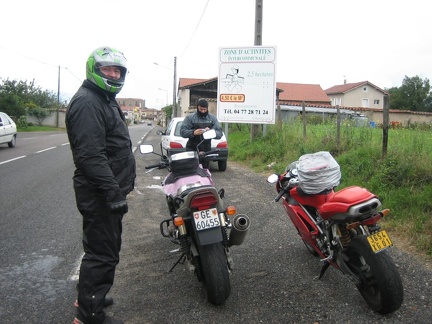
(50, 148)
(74, 275)
(20, 157)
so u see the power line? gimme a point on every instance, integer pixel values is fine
(39, 61)
(196, 28)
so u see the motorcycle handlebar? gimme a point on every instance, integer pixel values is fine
(282, 192)
(154, 166)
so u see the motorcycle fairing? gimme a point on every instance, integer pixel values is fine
(352, 201)
(304, 225)
(314, 200)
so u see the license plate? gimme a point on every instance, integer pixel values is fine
(205, 219)
(379, 241)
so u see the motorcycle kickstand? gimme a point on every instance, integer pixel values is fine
(323, 270)
(183, 256)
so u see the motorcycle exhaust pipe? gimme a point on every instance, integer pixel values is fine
(240, 227)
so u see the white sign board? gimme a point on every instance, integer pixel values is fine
(246, 85)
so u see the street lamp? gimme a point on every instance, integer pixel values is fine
(174, 84)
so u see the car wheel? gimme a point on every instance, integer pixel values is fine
(222, 165)
(12, 143)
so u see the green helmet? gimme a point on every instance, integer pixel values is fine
(106, 56)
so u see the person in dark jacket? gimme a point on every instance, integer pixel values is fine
(194, 125)
(104, 176)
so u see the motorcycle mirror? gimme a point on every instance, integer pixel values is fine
(211, 133)
(273, 178)
(146, 148)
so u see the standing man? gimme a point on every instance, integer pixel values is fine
(194, 125)
(104, 175)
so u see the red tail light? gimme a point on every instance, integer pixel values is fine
(204, 201)
(222, 145)
(175, 145)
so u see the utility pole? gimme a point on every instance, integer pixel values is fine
(258, 42)
(174, 112)
(58, 97)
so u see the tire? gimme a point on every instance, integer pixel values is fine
(214, 269)
(310, 249)
(12, 143)
(222, 165)
(380, 282)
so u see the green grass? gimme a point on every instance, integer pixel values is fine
(402, 178)
(39, 129)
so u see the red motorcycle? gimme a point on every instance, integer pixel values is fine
(341, 227)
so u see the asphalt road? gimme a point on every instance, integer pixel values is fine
(273, 280)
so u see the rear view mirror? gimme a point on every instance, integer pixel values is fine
(211, 133)
(146, 148)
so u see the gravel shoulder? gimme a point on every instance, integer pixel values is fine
(274, 276)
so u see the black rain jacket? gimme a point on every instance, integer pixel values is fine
(194, 121)
(100, 143)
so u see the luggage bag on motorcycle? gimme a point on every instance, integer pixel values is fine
(185, 163)
(318, 172)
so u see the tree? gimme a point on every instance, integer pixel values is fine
(39, 113)
(412, 95)
(16, 96)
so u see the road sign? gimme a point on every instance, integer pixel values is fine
(246, 85)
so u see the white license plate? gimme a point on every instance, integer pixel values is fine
(205, 219)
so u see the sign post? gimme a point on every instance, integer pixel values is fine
(246, 85)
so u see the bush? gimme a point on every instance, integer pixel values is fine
(22, 122)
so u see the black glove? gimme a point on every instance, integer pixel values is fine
(118, 204)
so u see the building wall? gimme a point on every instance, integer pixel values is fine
(354, 98)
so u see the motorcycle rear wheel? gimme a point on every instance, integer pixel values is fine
(214, 268)
(380, 282)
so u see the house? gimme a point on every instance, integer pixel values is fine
(359, 94)
(191, 90)
(297, 93)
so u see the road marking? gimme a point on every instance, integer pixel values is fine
(74, 275)
(50, 148)
(17, 158)
(20, 157)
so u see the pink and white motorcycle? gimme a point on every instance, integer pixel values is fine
(199, 223)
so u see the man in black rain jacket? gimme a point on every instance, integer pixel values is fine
(104, 175)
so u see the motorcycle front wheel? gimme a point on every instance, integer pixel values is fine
(214, 269)
(380, 283)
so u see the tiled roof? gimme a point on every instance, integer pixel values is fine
(185, 82)
(302, 92)
(289, 92)
(343, 88)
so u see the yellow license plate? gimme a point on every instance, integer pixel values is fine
(379, 241)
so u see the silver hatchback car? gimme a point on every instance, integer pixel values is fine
(8, 130)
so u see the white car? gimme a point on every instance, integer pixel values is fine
(8, 130)
(172, 142)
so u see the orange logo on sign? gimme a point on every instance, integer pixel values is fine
(232, 97)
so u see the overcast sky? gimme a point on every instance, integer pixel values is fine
(317, 42)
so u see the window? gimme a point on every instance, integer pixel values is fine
(337, 101)
(365, 102)
(376, 102)
(364, 89)
(4, 120)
